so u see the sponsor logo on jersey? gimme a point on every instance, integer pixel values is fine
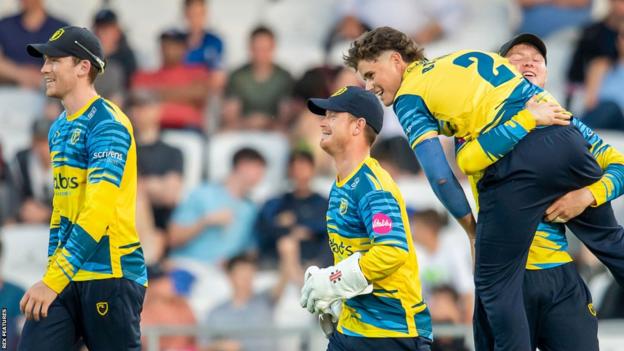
(61, 182)
(339, 248)
(382, 224)
(107, 154)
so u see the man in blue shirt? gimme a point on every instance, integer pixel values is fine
(204, 47)
(32, 25)
(215, 221)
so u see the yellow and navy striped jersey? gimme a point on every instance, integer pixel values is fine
(92, 230)
(549, 247)
(469, 92)
(367, 214)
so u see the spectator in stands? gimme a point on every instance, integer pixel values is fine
(160, 165)
(546, 17)
(10, 296)
(114, 43)
(245, 308)
(608, 113)
(215, 222)
(182, 89)
(441, 260)
(306, 131)
(120, 61)
(33, 180)
(164, 305)
(6, 193)
(298, 214)
(396, 156)
(258, 93)
(424, 20)
(32, 25)
(204, 47)
(595, 49)
(445, 309)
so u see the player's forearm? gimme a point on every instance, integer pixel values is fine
(381, 261)
(441, 178)
(478, 154)
(610, 186)
(92, 223)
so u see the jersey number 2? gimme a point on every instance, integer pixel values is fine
(485, 65)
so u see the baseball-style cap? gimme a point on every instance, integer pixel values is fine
(355, 100)
(174, 34)
(524, 38)
(71, 41)
(104, 16)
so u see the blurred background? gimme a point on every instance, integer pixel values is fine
(232, 183)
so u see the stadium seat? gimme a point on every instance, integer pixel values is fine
(192, 146)
(18, 109)
(273, 146)
(24, 253)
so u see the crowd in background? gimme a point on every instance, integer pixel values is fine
(227, 240)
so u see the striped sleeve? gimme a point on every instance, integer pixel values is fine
(611, 184)
(107, 147)
(415, 118)
(478, 154)
(381, 214)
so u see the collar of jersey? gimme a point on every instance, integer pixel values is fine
(82, 109)
(340, 183)
(409, 68)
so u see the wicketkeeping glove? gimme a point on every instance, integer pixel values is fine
(342, 281)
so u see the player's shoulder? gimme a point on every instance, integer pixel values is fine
(373, 179)
(105, 113)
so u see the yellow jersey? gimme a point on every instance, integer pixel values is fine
(92, 229)
(367, 214)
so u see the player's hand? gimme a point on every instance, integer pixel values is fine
(547, 113)
(570, 205)
(37, 300)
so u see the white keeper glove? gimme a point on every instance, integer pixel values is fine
(328, 319)
(342, 281)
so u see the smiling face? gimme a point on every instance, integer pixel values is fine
(337, 128)
(383, 75)
(61, 74)
(530, 62)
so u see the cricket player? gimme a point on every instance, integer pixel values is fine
(558, 303)
(475, 95)
(375, 271)
(95, 281)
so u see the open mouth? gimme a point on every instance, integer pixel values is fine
(529, 74)
(379, 93)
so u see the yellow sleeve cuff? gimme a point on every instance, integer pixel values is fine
(55, 279)
(526, 120)
(599, 190)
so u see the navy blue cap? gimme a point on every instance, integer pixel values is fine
(355, 100)
(174, 34)
(104, 16)
(71, 41)
(524, 38)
